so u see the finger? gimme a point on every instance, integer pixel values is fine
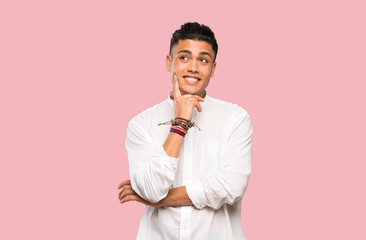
(136, 198)
(194, 101)
(123, 189)
(130, 198)
(198, 106)
(124, 183)
(126, 193)
(198, 98)
(176, 91)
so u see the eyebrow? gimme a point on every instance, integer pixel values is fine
(189, 52)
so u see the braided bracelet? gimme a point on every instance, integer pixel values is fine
(179, 128)
(184, 123)
(178, 132)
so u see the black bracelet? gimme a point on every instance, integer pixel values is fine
(183, 119)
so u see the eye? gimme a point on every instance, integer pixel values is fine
(204, 60)
(184, 58)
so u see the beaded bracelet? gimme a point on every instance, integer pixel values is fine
(184, 123)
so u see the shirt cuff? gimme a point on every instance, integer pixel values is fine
(173, 162)
(166, 156)
(197, 194)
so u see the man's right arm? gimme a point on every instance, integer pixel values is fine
(152, 169)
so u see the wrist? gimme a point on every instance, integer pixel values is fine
(187, 117)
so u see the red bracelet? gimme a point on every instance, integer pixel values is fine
(177, 132)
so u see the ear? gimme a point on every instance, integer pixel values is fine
(213, 70)
(168, 62)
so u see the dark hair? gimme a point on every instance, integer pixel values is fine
(194, 31)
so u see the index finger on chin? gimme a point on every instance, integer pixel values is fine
(176, 92)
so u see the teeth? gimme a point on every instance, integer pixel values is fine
(192, 79)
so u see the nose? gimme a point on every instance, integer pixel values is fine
(193, 66)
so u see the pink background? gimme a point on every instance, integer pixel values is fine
(73, 73)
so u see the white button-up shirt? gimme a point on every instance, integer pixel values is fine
(214, 164)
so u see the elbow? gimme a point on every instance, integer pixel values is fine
(231, 199)
(147, 191)
(155, 198)
(240, 190)
(229, 194)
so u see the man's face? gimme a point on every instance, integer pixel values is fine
(193, 63)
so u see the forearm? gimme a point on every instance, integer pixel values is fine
(176, 197)
(172, 144)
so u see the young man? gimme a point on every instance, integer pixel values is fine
(192, 173)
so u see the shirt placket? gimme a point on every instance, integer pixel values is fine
(186, 211)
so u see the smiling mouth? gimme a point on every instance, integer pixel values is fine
(191, 79)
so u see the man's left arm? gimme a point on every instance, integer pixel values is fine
(228, 183)
(176, 196)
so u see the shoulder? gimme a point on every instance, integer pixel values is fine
(230, 109)
(236, 117)
(147, 114)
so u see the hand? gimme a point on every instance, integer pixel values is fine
(128, 194)
(184, 104)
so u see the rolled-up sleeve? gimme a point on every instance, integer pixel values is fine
(152, 171)
(228, 183)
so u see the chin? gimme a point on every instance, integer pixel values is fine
(190, 92)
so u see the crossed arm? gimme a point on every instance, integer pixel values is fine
(176, 196)
(225, 186)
